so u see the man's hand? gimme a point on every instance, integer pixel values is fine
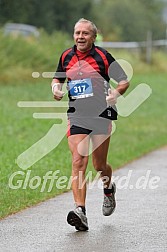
(111, 99)
(56, 89)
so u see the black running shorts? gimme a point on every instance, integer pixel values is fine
(89, 126)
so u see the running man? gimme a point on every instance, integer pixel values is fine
(88, 69)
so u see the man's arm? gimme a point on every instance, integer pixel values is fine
(121, 88)
(58, 81)
(56, 86)
(117, 73)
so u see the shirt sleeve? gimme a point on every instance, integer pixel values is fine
(115, 71)
(60, 73)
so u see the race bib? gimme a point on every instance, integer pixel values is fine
(80, 88)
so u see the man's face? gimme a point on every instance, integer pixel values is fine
(83, 36)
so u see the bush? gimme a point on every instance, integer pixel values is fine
(21, 56)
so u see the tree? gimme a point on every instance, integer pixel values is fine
(118, 20)
(50, 14)
(129, 20)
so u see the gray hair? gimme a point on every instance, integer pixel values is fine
(83, 20)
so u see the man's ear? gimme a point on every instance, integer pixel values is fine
(94, 39)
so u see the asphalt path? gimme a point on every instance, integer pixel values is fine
(139, 222)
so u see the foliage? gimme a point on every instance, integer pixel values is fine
(118, 20)
(130, 20)
(21, 56)
(50, 15)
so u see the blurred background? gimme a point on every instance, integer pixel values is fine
(140, 25)
(121, 20)
(33, 35)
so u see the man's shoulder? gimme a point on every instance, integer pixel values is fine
(104, 53)
(99, 48)
(68, 50)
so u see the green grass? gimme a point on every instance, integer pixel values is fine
(144, 130)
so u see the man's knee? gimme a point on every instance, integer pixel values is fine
(79, 163)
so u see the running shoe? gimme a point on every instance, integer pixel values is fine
(78, 219)
(109, 202)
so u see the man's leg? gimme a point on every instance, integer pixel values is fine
(77, 217)
(100, 144)
(99, 156)
(79, 165)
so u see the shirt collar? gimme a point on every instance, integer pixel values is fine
(92, 51)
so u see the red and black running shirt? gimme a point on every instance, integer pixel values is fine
(96, 64)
